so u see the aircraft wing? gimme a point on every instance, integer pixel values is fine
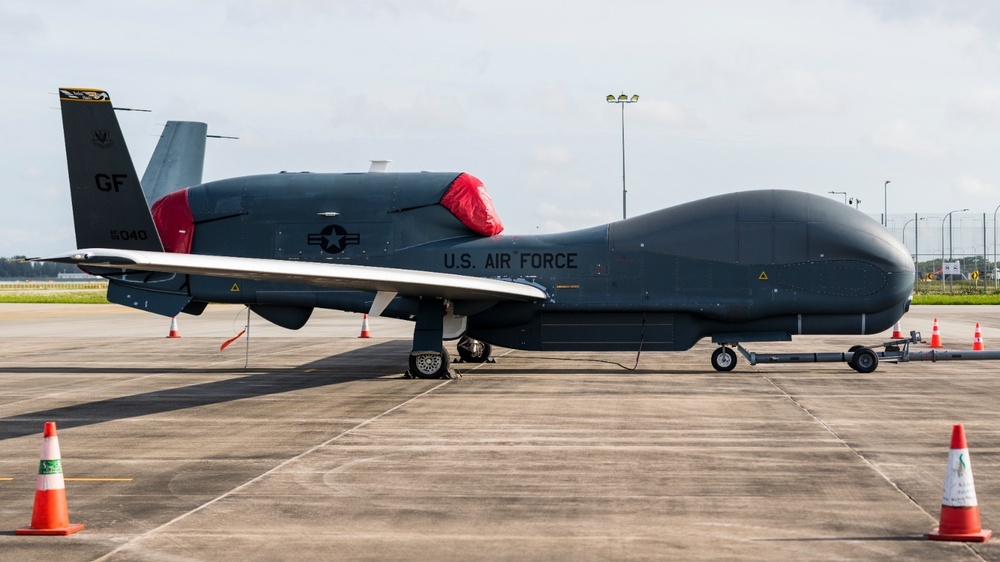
(335, 275)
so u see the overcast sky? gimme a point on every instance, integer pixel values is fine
(734, 95)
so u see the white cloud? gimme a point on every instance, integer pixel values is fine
(17, 27)
(901, 136)
(797, 92)
(555, 155)
(981, 106)
(662, 113)
(556, 98)
(559, 218)
(976, 187)
(390, 112)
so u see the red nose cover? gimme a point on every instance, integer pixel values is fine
(174, 221)
(467, 199)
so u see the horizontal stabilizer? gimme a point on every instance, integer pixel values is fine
(178, 160)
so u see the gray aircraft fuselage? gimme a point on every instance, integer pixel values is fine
(747, 266)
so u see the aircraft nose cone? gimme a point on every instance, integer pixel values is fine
(855, 237)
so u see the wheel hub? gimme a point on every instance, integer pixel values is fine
(428, 363)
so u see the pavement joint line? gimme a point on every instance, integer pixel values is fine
(469, 370)
(844, 442)
(259, 477)
(85, 479)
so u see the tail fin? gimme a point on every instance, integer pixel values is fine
(177, 161)
(109, 209)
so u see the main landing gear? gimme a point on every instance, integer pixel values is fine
(431, 365)
(436, 366)
(474, 351)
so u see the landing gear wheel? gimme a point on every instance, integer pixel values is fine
(474, 351)
(431, 365)
(850, 362)
(724, 359)
(864, 361)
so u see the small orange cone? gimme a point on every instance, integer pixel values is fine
(959, 508)
(51, 514)
(977, 340)
(936, 335)
(364, 328)
(897, 333)
(173, 329)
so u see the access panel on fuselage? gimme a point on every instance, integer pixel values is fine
(607, 331)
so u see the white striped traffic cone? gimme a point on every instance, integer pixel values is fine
(51, 514)
(977, 339)
(897, 332)
(959, 507)
(364, 328)
(173, 329)
(936, 335)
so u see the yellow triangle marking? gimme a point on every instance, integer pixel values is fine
(763, 276)
(235, 289)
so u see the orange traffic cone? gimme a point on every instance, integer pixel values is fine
(897, 333)
(959, 508)
(977, 340)
(50, 515)
(936, 335)
(173, 329)
(364, 328)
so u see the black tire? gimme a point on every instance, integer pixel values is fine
(850, 362)
(724, 359)
(474, 351)
(431, 365)
(865, 361)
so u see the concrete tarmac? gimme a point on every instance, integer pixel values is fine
(319, 450)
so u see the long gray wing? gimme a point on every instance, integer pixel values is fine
(354, 277)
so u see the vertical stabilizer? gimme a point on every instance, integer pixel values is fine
(177, 161)
(109, 209)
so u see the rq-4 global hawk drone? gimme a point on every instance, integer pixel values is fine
(742, 267)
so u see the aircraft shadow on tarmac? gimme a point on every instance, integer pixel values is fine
(345, 367)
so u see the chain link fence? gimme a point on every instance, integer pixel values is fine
(953, 248)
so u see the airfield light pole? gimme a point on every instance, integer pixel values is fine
(885, 203)
(622, 100)
(995, 280)
(946, 218)
(907, 223)
(844, 193)
(916, 247)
